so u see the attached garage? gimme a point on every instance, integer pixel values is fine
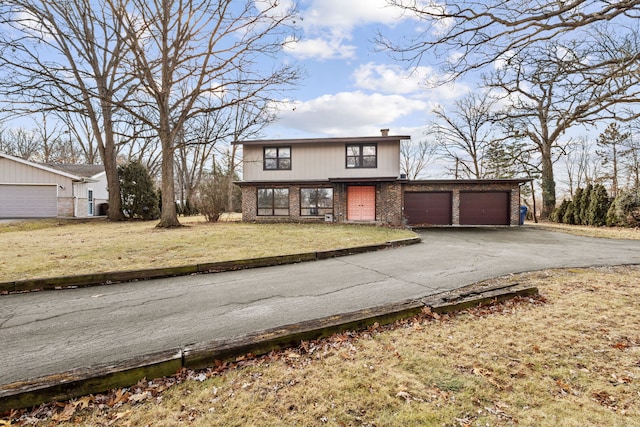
(28, 201)
(39, 190)
(428, 207)
(485, 208)
(461, 202)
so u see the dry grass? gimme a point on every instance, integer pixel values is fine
(49, 248)
(590, 231)
(571, 358)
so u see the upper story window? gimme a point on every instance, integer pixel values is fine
(362, 156)
(277, 158)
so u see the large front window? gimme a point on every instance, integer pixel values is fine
(316, 201)
(362, 156)
(273, 201)
(277, 158)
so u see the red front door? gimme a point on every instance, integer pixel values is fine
(361, 203)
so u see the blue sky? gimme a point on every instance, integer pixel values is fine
(350, 88)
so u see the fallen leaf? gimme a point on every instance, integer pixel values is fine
(139, 397)
(66, 414)
(404, 395)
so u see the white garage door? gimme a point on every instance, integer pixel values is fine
(28, 201)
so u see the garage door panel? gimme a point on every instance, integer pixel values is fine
(485, 208)
(28, 201)
(428, 208)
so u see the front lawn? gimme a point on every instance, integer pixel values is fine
(49, 248)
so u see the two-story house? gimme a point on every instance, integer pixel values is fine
(357, 179)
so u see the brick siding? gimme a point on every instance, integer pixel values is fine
(456, 188)
(389, 200)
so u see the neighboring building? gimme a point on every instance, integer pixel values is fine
(35, 190)
(358, 180)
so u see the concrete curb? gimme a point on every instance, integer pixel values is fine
(98, 279)
(101, 378)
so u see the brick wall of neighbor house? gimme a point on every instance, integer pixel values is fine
(82, 207)
(65, 206)
(456, 188)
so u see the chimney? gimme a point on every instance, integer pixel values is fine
(384, 132)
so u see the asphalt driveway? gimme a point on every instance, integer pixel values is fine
(50, 332)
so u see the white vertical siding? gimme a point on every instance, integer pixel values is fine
(320, 162)
(12, 172)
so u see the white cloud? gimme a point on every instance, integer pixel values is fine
(344, 15)
(348, 113)
(390, 78)
(319, 49)
(327, 26)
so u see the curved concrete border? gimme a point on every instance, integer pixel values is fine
(80, 382)
(98, 279)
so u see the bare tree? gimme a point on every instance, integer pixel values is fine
(66, 57)
(580, 168)
(247, 120)
(465, 132)
(79, 132)
(610, 143)
(185, 52)
(195, 150)
(468, 34)
(209, 139)
(631, 157)
(56, 144)
(23, 143)
(551, 88)
(415, 157)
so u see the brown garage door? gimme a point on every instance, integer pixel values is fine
(428, 208)
(484, 208)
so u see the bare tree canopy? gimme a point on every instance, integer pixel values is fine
(138, 71)
(465, 132)
(468, 35)
(415, 157)
(66, 57)
(194, 57)
(554, 86)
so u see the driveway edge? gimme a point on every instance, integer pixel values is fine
(108, 278)
(83, 381)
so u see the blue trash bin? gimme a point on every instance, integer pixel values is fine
(523, 214)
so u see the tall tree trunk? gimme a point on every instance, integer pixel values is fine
(113, 183)
(534, 213)
(168, 213)
(548, 185)
(108, 152)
